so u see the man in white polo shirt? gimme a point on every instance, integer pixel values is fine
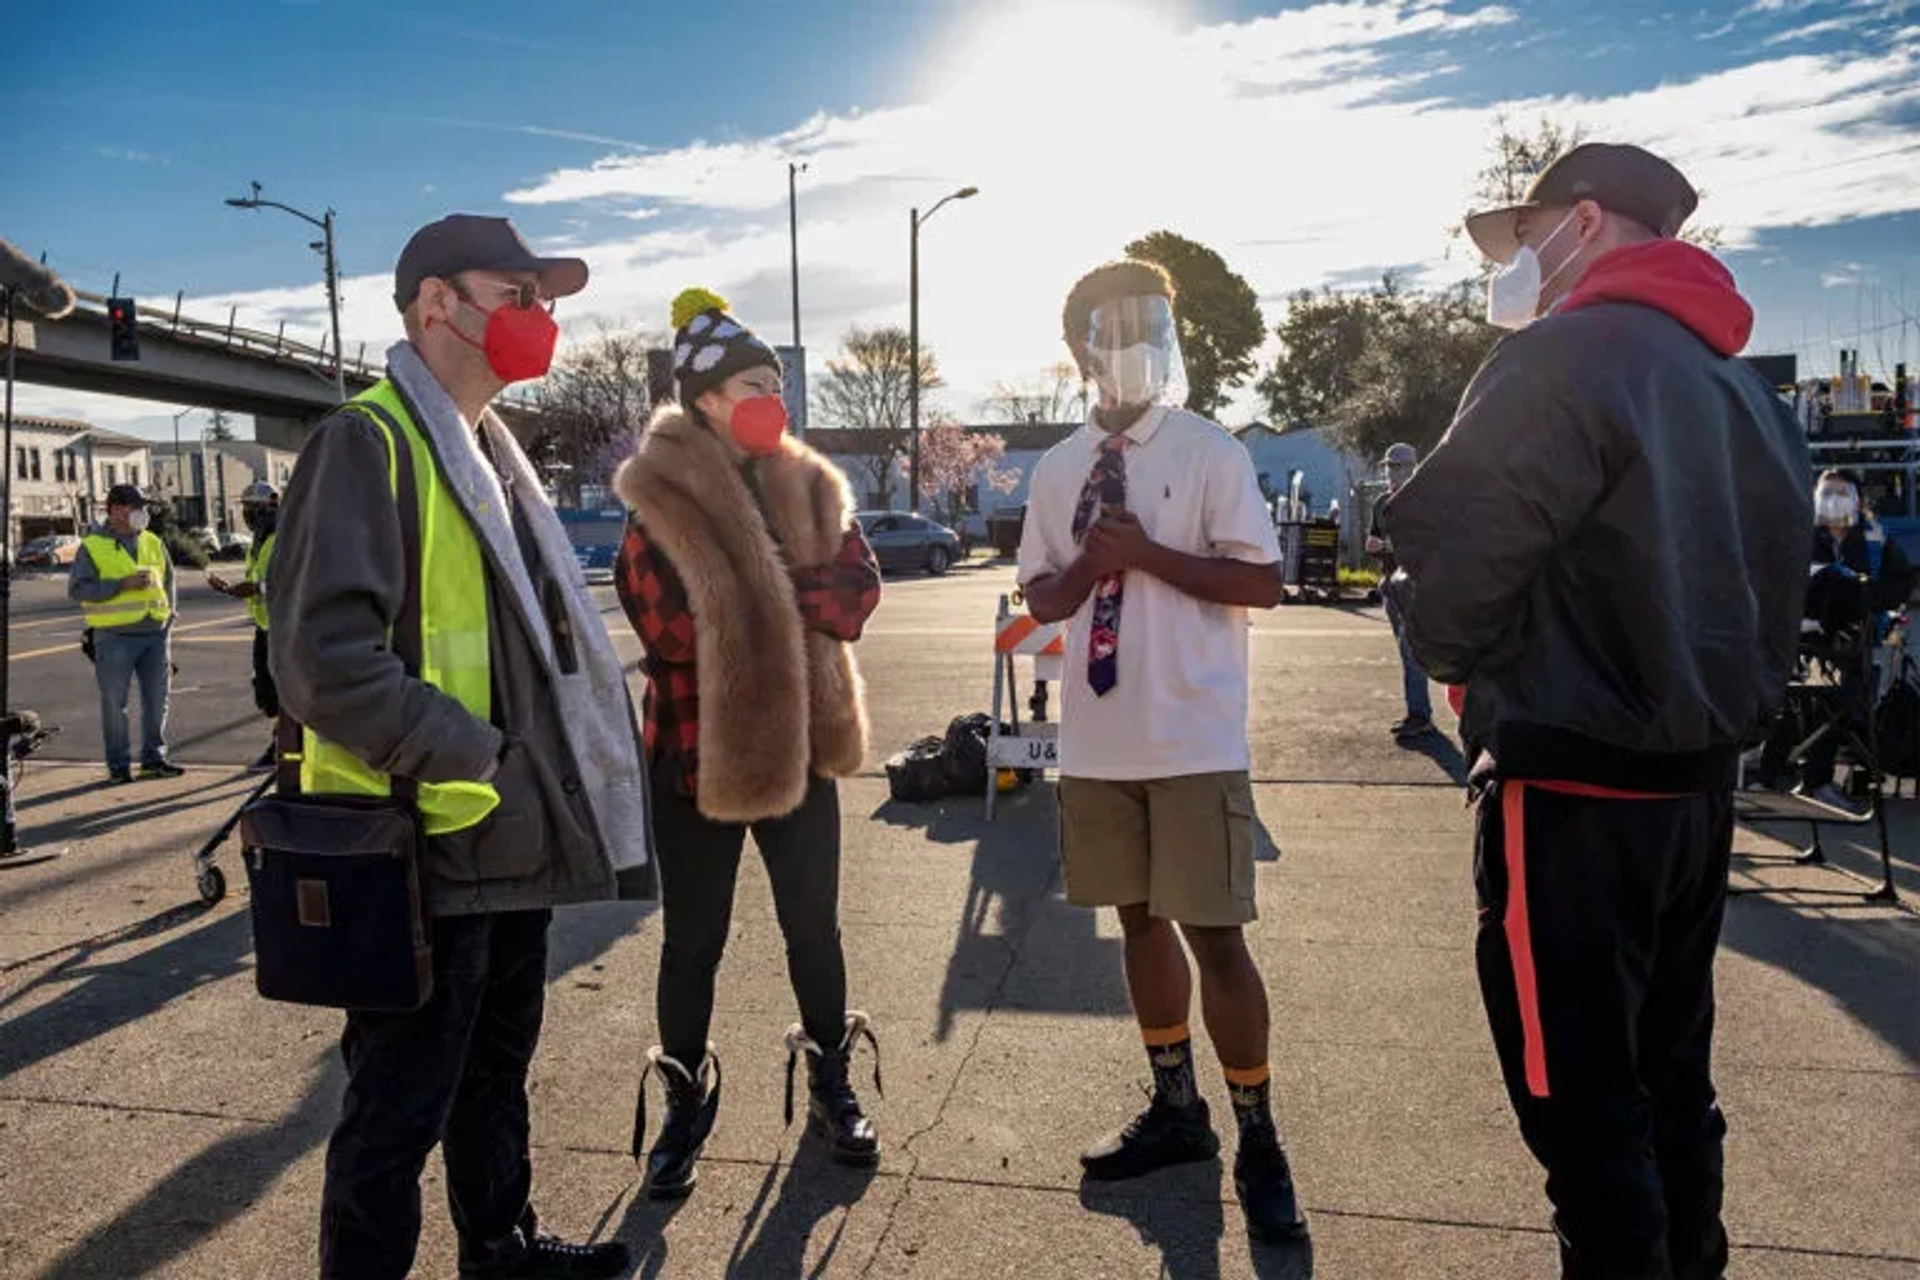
(1147, 529)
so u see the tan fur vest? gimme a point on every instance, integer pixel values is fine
(777, 700)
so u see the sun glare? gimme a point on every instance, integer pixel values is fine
(1054, 55)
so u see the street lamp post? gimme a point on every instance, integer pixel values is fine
(179, 463)
(913, 341)
(325, 246)
(793, 236)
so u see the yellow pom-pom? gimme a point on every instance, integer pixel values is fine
(692, 302)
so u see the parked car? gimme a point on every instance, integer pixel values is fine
(232, 545)
(904, 541)
(55, 551)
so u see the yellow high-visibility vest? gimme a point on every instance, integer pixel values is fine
(455, 656)
(257, 557)
(111, 562)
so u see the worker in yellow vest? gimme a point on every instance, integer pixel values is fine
(429, 622)
(122, 579)
(260, 509)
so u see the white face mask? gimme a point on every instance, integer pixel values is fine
(139, 519)
(1513, 296)
(1837, 508)
(1133, 375)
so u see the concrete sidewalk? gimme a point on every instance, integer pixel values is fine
(157, 1118)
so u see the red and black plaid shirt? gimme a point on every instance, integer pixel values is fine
(835, 599)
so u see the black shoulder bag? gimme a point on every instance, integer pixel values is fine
(338, 916)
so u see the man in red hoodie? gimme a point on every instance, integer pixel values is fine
(1606, 549)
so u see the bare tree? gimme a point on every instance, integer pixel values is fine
(866, 393)
(592, 407)
(1055, 394)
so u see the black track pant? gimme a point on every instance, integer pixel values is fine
(266, 695)
(1599, 919)
(699, 860)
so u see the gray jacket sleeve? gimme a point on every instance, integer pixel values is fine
(338, 582)
(84, 585)
(1522, 464)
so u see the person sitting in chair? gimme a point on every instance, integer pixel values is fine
(1858, 575)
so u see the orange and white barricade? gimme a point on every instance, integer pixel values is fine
(1035, 745)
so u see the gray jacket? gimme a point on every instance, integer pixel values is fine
(339, 578)
(85, 586)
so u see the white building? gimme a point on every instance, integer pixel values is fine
(204, 479)
(61, 471)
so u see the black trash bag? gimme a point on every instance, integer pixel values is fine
(966, 753)
(918, 775)
(966, 756)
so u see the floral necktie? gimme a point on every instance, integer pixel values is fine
(1106, 486)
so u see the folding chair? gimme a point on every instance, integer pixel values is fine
(1846, 710)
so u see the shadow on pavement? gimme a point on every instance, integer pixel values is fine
(1014, 876)
(1440, 748)
(582, 934)
(1866, 964)
(220, 1184)
(111, 996)
(773, 1241)
(644, 1231)
(1187, 1228)
(81, 826)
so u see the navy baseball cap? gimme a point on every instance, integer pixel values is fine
(126, 495)
(470, 242)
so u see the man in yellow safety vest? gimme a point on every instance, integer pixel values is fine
(260, 508)
(122, 579)
(429, 623)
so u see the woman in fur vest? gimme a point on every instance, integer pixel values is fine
(747, 579)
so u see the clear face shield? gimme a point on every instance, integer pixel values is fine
(1133, 353)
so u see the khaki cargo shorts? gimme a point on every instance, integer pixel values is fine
(1182, 846)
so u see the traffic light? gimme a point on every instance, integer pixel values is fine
(126, 328)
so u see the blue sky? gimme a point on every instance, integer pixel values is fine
(1309, 144)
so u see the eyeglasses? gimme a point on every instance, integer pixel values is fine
(523, 296)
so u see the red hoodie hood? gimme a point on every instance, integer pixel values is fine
(1686, 282)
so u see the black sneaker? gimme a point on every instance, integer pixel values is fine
(1412, 728)
(1264, 1184)
(551, 1258)
(119, 777)
(1158, 1138)
(165, 769)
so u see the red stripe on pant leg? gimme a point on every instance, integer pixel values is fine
(1513, 821)
(1590, 791)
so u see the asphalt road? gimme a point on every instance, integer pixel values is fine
(1325, 689)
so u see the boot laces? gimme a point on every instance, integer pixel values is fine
(830, 1068)
(678, 1079)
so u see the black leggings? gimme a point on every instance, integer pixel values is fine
(699, 859)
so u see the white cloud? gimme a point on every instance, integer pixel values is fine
(1302, 146)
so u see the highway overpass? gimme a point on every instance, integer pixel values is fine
(287, 386)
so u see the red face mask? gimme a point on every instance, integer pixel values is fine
(758, 424)
(519, 341)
